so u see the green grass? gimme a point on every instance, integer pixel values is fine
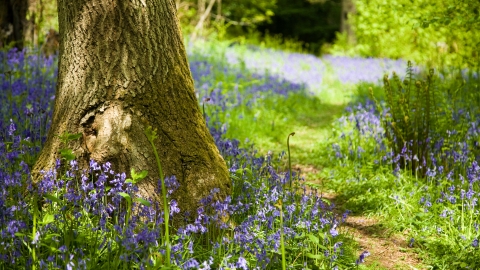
(268, 124)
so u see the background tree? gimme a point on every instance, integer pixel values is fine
(25, 22)
(122, 68)
(313, 22)
(16, 27)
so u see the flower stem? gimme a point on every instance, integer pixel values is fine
(289, 159)
(151, 135)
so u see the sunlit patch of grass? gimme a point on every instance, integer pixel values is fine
(267, 123)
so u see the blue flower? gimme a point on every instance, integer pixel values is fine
(242, 263)
(174, 207)
(475, 243)
(11, 128)
(191, 264)
(361, 258)
(333, 232)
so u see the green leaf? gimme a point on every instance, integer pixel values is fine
(72, 137)
(19, 234)
(313, 185)
(52, 198)
(50, 236)
(137, 176)
(316, 256)
(151, 134)
(52, 248)
(313, 238)
(67, 154)
(66, 137)
(326, 201)
(48, 218)
(248, 172)
(125, 195)
(144, 202)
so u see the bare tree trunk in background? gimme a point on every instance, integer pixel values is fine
(122, 68)
(200, 11)
(201, 7)
(219, 10)
(348, 9)
(182, 8)
(23, 18)
(200, 25)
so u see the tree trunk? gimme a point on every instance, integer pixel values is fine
(17, 22)
(123, 67)
(219, 10)
(348, 9)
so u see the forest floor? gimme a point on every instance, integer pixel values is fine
(388, 249)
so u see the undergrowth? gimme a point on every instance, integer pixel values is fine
(93, 219)
(412, 160)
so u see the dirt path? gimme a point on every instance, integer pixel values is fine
(388, 250)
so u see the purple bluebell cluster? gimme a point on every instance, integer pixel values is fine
(357, 69)
(27, 88)
(235, 87)
(76, 219)
(304, 69)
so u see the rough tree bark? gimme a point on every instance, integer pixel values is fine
(123, 67)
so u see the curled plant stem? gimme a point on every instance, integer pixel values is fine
(152, 135)
(289, 159)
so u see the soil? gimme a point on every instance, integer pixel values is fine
(388, 250)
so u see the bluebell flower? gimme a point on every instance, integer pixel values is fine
(174, 207)
(171, 184)
(475, 243)
(411, 242)
(336, 246)
(11, 128)
(333, 232)
(242, 263)
(361, 258)
(15, 226)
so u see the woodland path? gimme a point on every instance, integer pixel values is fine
(388, 249)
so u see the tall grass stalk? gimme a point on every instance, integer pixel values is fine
(152, 135)
(282, 241)
(289, 160)
(34, 231)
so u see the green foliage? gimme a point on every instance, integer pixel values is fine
(371, 142)
(235, 14)
(67, 153)
(461, 15)
(249, 12)
(410, 118)
(420, 112)
(423, 31)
